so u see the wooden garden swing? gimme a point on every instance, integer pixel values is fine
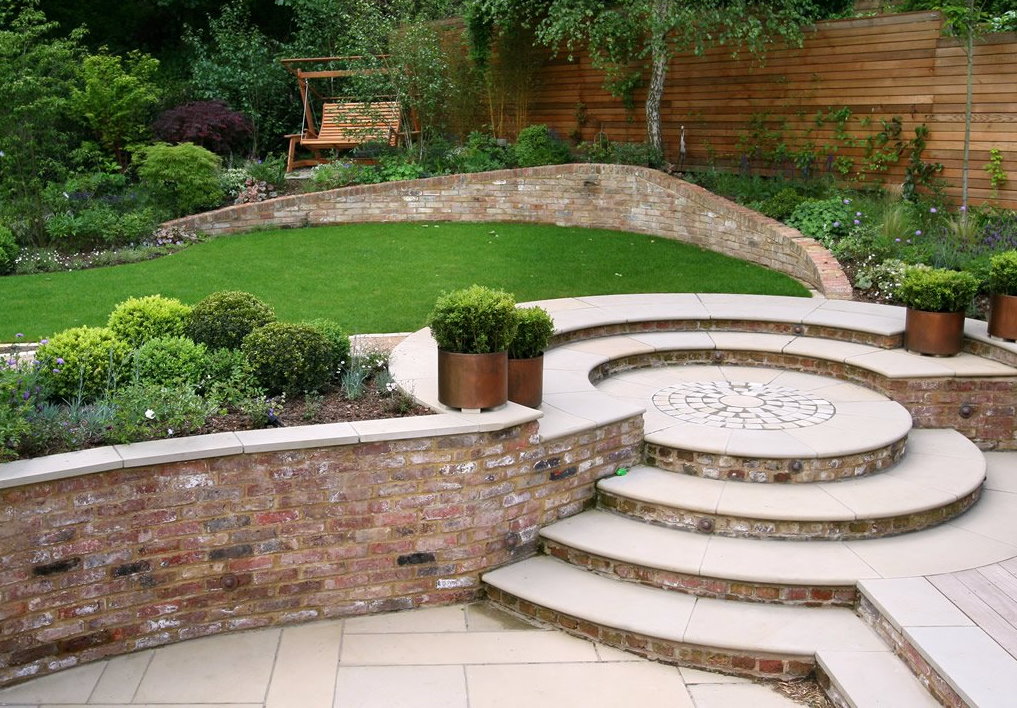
(334, 123)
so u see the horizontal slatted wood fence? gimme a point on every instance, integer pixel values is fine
(814, 107)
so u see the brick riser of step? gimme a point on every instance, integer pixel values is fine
(719, 325)
(899, 644)
(779, 471)
(972, 346)
(700, 586)
(933, 403)
(767, 666)
(790, 530)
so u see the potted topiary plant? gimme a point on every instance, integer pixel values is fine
(1003, 301)
(526, 356)
(936, 299)
(473, 328)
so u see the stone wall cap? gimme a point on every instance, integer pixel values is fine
(61, 466)
(297, 437)
(423, 426)
(158, 452)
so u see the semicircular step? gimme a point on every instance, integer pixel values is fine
(750, 639)
(761, 424)
(938, 479)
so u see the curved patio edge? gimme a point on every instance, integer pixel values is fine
(619, 197)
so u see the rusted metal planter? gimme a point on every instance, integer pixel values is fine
(472, 381)
(526, 381)
(1003, 317)
(934, 333)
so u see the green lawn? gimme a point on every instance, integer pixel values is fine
(384, 277)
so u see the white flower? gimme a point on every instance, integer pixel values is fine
(150, 414)
(169, 431)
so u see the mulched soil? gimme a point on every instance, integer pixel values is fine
(328, 408)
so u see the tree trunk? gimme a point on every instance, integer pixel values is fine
(969, 50)
(658, 72)
(653, 99)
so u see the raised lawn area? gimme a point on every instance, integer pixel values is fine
(385, 277)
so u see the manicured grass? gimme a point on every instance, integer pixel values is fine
(384, 277)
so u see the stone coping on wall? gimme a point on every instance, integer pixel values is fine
(198, 447)
(618, 197)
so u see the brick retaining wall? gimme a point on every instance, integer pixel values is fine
(106, 563)
(617, 197)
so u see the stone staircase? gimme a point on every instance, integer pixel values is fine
(767, 498)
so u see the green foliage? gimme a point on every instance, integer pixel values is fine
(535, 146)
(825, 220)
(937, 289)
(337, 337)
(474, 320)
(919, 174)
(422, 77)
(9, 250)
(341, 173)
(117, 98)
(271, 170)
(534, 332)
(290, 358)
(170, 361)
(37, 71)
(1003, 273)
(238, 64)
(994, 168)
(180, 178)
(782, 204)
(82, 363)
(139, 319)
(100, 225)
(394, 168)
(57, 427)
(229, 379)
(223, 319)
(148, 411)
(20, 390)
(481, 153)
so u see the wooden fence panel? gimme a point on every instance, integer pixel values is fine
(785, 106)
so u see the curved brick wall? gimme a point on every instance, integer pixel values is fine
(114, 561)
(618, 197)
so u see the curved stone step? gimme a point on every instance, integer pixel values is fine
(735, 637)
(762, 424)
(939, 478)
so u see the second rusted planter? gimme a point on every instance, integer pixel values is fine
(472, 381)
(934, 333)
(526, 381)
(1003, 317)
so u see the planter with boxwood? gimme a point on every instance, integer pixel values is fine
(473, 328)
(1003, 300)
(936, 299)
(526, 356)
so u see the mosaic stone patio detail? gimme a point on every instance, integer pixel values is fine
(742, 405)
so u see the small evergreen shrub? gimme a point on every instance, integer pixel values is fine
(533, 333)
(8, 251)
(474, 320)
(937, 289)
(210, 124)
(82, 363)
(289, 358)
(1003, 273)
(224, 318)
(782, 204)
(180, 178)
(537, 146)
(170, 361)
(271, 170)
(147, 411)
(139, 319)
(340, 341)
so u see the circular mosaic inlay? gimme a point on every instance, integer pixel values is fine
(742, 405)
